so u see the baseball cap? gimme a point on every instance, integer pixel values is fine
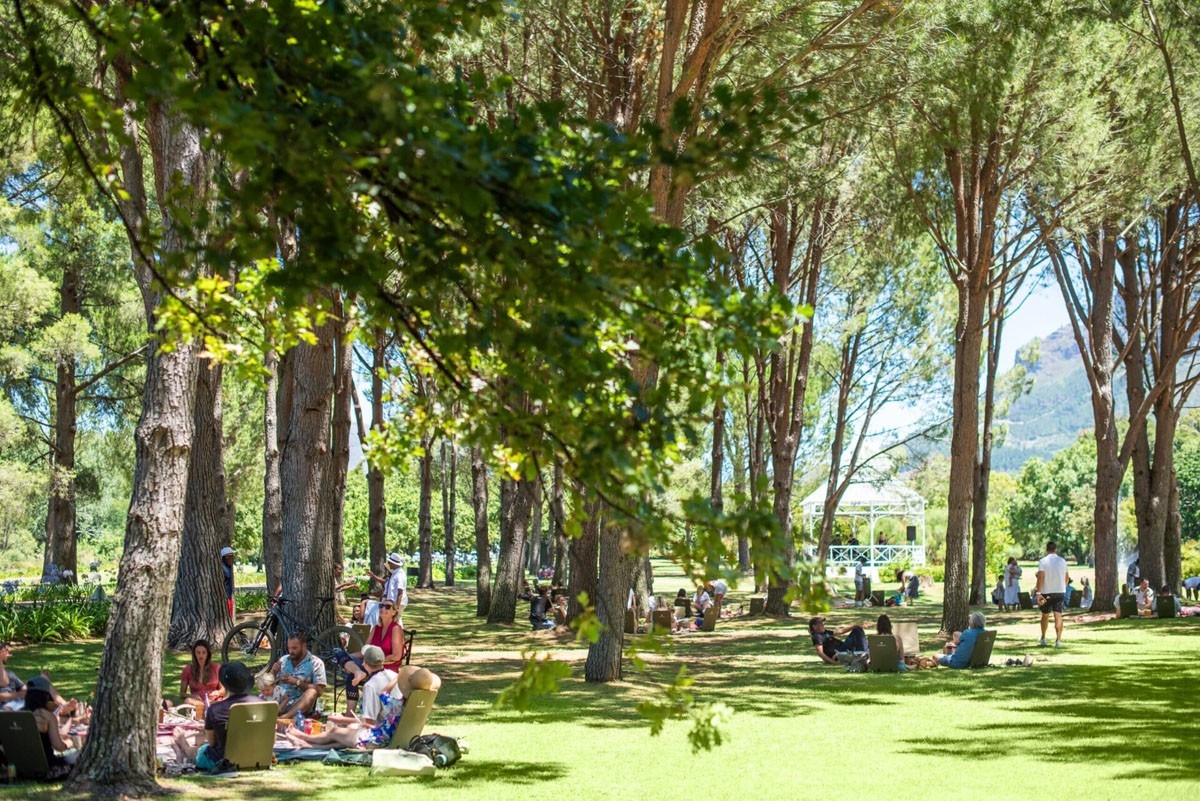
(226, 551)
(395, 559)
(372, 655)
(812, 621)
(235, 677)
(39, 683)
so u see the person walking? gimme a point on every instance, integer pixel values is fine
(227, 555)
(1050, 590)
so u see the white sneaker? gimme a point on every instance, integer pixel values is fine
(1058, 643)
(1042, 642)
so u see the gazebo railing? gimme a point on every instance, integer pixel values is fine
(876, 555)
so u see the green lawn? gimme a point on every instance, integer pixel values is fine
(1112, 715)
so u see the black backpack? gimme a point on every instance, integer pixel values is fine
(444, 751)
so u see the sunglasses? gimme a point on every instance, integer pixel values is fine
(386, 606)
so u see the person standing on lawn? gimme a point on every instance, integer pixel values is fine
(1050, 590)
(227, 555)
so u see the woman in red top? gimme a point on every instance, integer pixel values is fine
(199, 680)
(389, 636)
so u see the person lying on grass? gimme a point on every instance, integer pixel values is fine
(828, 646)
(372, 732)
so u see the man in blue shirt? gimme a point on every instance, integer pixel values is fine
(961, 658)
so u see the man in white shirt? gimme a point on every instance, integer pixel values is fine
(1050, 591)
(717, 588)
(395, 589)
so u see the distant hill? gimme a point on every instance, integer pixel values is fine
(1056, 410)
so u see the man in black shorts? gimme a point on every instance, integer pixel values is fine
(1050, 591)
(827, 644)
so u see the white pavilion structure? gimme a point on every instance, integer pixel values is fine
(871, 501)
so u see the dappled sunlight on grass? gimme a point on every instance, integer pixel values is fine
(1109, 715)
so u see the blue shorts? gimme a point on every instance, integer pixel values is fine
(203, 761)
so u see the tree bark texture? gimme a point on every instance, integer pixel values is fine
(536, 535)
(425, 516)
(199, 610)
(788, 375)
(61, 534)
(514, 526)
(449, 503)
(983, 468)
(376, 499)
(583, 555)
(483, 545)
(305, 465)
(559, 522)
(275, 405)
(344, 390)
(119, 754)
(615, 579)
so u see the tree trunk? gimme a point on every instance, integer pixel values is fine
(483, 547)
(1147, 507)
(343, 404)
(425, 516)
(583, 555)
(559, 522)
(119, 755)
(1172, 544)
(536, 534)
(376, 499)
(514, 526)
(964, 450)
(983, 468)
(449, 503)
(612, 592)
(277, 410)
(718, 446)
(199, 610)
(61, 535)
(305, 465)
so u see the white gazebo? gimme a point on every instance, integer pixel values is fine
(872, 501)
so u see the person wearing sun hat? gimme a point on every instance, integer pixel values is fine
(227, 555)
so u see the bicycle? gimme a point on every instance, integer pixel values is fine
(252, 640)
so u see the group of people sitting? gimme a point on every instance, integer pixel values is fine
(1147, 599)
(834, 650)
(60, 722)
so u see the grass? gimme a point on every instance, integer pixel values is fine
(1112, 715)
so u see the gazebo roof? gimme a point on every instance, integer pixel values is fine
(888, 496)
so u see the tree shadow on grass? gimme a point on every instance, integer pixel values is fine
(471, 772)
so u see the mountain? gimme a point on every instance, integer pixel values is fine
(1058, 406)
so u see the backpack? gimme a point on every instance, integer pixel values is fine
(444, 751)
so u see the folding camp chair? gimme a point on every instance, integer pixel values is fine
(630, 622)
(1166, 605)
(1127, 606)
(363, 630)
(662, 620)
(417, 708)
(982, 655)
(907, 632)
(885, 657)
(23, 744)
(250, 735)
(710, 619)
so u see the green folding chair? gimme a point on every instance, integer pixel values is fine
(982, 655)
(417, 708)
(250, 735)
(710, 619)
(663, 620)
(885, 657)
(1165, 605)
(23, 744)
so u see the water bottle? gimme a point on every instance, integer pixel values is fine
(299, 721)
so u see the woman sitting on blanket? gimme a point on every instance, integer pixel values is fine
(351, 732)
(884, 626)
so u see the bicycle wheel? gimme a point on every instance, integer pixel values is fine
(251, 645)
(342, 637)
